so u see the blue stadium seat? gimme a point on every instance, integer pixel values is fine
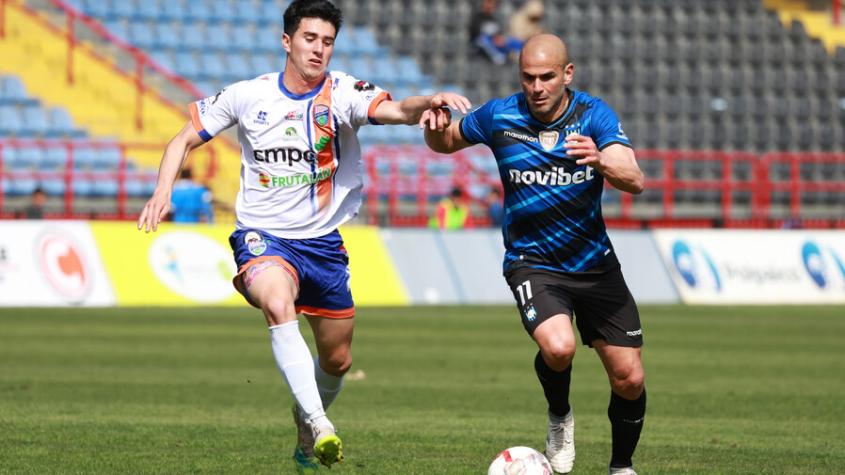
(10, 120)
(82, 186)
(104, 187)
(218, 38)
(211, 67)
(148, 10)
(221, 11)
(164, 59)
(29, 157)
(242, 38)
(55, 157)
(172, 10)
(118, 28)
(237, 67)
(61, 124)
(107, 158)
(245, 12)
(261, 64)
(12, 91)
(198, 11)
(22, 185)
(34, 121)
(271, 13)
(141, 34)
(122, 9)
(193, 37)
(186, 65)
(53, 186)
(84, 158)
(166, 37)
(96, 8)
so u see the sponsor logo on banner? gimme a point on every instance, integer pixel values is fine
(548, 139)
(822, 265)
(695, 266)
(193, 266)
(63, 264)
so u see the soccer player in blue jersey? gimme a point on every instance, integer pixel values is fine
(555, 147)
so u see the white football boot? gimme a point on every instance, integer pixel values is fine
(621, 471)
(560, 443)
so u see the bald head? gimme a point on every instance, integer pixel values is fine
(545, 72)
(544, 49)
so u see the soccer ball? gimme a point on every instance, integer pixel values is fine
(520, 461)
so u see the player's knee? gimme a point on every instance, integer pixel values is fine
(338, 363)
(278, 310)
(628, 382)
(558, 353)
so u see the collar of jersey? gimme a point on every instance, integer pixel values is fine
(569, 108)
(298, 97)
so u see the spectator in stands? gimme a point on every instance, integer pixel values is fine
(451, 213)
(495, 207)
(485, 33)
(191, 201)
(299, 182)
(527, 21)
(555, 147)
(35, 209)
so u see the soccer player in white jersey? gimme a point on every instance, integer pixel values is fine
(301, 178)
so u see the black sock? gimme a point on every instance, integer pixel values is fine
(626, 422)
(555, 385)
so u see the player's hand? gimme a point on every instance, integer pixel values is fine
(436, 119)
(154, 211)
(583, 149)
(450, 100)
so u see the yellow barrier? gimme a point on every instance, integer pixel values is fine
(192, 265)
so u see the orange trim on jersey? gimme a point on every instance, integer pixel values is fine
(324, 312)
(371, 111)
(324, 135)
(238, 280)
(195, 116)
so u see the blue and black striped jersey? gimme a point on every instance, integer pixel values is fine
(553, 214)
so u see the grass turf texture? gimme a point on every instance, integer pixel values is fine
(731, 390)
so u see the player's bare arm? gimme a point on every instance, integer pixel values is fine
(171, 162)
(411, 110)
(616, 163)
(446, 140)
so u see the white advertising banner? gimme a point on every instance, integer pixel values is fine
(755, 267)
(51, 263)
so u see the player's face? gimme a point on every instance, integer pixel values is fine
(310, 48)
(544, 85)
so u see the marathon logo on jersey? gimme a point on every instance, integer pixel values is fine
(621, 134)
(272, 181)
(291, 156)
(255, 243)
(321, 115)
(548, 139)
(519, 136)
(557, 176)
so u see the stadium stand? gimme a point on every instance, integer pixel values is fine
(736, 116)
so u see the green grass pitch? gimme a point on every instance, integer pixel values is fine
(739, 390)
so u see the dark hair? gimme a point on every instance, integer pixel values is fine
(322, 9)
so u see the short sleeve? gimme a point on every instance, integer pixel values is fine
(359, 99)
(214, 114)
(477, 126)
(606, 128)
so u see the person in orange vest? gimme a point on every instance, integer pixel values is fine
(451, 212)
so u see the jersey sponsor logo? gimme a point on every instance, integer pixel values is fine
(519, 136)
(364, 86)
(294, 115)
(261, 118)
(621, 133)
(289, 155)
(290, 134)
(321, 144)
(557, 176)
(321, 114)
(272, 181)
(637, 332)
(548, 139)
(255, 243)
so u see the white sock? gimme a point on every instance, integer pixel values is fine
(329, 385)
(294, 361)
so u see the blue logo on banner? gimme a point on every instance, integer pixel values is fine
(689, 263)
(816, 266)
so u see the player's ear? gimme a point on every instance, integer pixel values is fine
(568, 73)
(286, 42)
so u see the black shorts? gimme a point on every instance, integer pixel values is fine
(603, 306)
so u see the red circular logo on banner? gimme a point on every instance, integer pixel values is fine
(63, 265)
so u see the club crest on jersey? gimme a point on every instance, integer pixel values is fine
(364, 86)
(255, 243)
(294, 115)
(548, 139)
(530, 313)
(321, 115)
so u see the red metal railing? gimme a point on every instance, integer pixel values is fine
(837, 11)
(401, 187)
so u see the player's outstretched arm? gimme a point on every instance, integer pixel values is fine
(410, 110)
(616, 163)
(171, 162)
(443, 139)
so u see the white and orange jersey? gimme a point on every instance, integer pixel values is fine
(301, 168)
